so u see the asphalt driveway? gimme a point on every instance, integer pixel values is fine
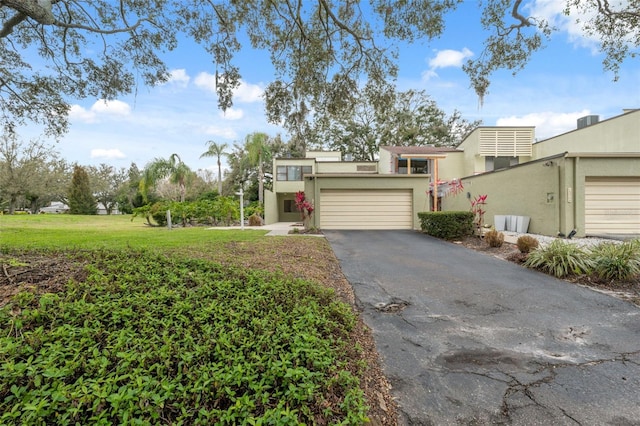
(466, 338)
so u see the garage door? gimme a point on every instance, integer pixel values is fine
(612, 206)
(366, 209)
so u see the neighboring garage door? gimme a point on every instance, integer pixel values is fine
(612, 206)
(366, 209)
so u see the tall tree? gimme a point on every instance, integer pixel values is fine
(387, 117)
(320, 49)
(173, 168)
(24, 170)
(257, 145)
(81, 200)
(216, 150)
(106, 181)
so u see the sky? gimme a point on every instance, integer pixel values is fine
(561, 83)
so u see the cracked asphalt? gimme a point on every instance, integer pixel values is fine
(469, 339)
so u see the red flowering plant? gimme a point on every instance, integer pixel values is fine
(305, 207)
(477, 208)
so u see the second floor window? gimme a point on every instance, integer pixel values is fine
(292, 172)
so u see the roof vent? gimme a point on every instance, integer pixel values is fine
(587, 121)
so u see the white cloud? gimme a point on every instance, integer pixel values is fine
(450, 58)
(99, 108)
(447, 58)
(248, 92)
(573, 24)
(231, 114)
(114, 107)
(245, 92)
(107, 154)
(223, 132)
(206, 81)
(547, 123)
(179, 77)
(81, 114)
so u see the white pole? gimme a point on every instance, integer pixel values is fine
(241, 194)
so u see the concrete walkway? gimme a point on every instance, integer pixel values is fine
(469, 339)
(275, 229)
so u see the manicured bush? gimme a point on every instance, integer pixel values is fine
(448, 225)
(494, 238)
(614, 262)
(527, 243)
(560, 259)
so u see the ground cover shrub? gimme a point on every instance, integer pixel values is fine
(494, 238)
(560, 259)
(527, 243)
(448, 225)
(150, 339)
(613, 262)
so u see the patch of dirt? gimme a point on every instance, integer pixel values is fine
(625, 290)
(38, 273)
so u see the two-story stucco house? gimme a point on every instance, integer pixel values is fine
(587, 179)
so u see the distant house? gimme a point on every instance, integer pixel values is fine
(587, 179)
(59, 207)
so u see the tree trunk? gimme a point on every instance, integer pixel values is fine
(219, 178)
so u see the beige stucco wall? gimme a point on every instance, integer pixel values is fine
(325, 155)
(615, 135)
(550, 191)
(452, 167)
(385, 162)
(290, 186)
(520, 191)
(270, 207)
(346, 167)
(419, 184)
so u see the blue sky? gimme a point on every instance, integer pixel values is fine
(563, 82)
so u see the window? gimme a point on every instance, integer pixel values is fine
(418, 166)
(289, 206)
(497, 163)
(292, 172)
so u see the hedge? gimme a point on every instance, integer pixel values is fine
(448, 225)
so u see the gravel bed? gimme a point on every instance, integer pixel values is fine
(545, 240)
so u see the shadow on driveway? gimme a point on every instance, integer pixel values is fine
(466, 338)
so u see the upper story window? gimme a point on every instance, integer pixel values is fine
(418, 166)
(497, 163)
(292, 172)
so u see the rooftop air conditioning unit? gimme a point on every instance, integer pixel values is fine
(587, 121)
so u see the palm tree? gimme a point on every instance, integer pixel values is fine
(258, 150)
(216, 150)
(159, 168)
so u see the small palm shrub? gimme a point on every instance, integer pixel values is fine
(494, 238)
(560, 259)
(527, 243)
(613, 262)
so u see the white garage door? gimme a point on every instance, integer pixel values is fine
(366, 209)
(612, 206)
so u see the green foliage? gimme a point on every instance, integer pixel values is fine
(448, 225)
(494, 238)
(81, 200)
(151, 339)
(614, 262)
(560, 259)
(222, 210)
(527, 243)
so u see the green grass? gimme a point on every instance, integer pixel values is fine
(72, 231)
